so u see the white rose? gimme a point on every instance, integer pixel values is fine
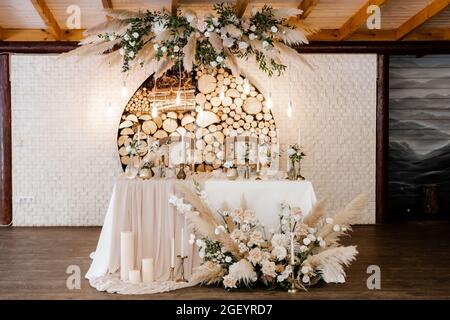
(243, 45)
(306, 241)
(112, 37)
(279, 252)
(132, 43)
(322, 243)
(229, 282)
(228, 42)
(253, 28)
(228, 259)
(207, 34)
(176, 49)
(126, 37)
(210, 28)
(131, 54)
(265, 44)
(255, 256)
(290, 151)
(219, 59)
(135, 35)
(311, 237)
(164, 49)
(336, 228)
(122, 51)
(274, 29)
(252, 36)
(215, 21)
(305, 279)
(213, 64)
(305, 269)
(268, 268)
(303, 248)
(279, 240)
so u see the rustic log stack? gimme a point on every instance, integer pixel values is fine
(218, 107)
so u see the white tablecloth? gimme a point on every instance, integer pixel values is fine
(142, 206)
(263, 197)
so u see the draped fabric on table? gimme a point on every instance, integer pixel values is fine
(142, 206)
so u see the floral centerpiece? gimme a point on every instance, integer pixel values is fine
(295, 155)
(236, 251)
(232, 173)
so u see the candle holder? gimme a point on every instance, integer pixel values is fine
(171, 274)
(182, 278)
(181, 173)
(292, 289)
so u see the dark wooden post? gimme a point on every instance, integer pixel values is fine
(382, 133)
(5, 143)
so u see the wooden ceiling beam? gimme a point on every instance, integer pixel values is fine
(107, 4)
(240, 7)
(434, 34)
(174, 5)
(307, 6)
(356, 20)
(1, 33)
(429, 11)
(46, 15)
(33, 35)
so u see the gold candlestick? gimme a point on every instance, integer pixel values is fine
(182, 278)
(171, 274)
(292, 289)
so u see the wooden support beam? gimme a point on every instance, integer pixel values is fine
(174, 6)
(430, 10)
(107, 4)
(307, 6)
(5, 143)
(241, 6)
(356, 20)
(382, 137)
(1, 33)
(46, 15)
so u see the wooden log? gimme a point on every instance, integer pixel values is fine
(170, 125)
(149, 127)
(206, 83)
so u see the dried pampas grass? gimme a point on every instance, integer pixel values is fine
(331, 263)
(114, 26)
(216, 42)
(292, 36)
(315, 215)
(122, 14)
(208, 273)
(233, 31)
(285, 13)
(189, 52)
(288, 54)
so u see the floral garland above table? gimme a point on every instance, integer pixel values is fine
(185, 40)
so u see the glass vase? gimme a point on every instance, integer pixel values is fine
(291, 170)
(132, 168)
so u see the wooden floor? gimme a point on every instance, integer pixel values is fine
(414, 261)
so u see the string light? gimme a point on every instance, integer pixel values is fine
(246, 86)
(178, 99)
(154, 110)
(124, 90)
(269, 102)
(289, 109)
(222, 93)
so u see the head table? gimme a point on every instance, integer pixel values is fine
(142, 206)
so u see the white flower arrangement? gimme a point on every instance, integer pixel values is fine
(188, 40)
(303, 251)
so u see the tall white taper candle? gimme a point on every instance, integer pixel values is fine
(148, 271)
(172, 253)
(126, 254)
(182, 242)
(292, 249)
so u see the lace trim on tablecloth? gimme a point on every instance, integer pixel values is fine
(112, 284)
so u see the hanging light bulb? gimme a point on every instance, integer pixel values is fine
(246, 87)
(124, 90)
(154, 110)
(269, 102)
(222, 93)
(178, 99)
(289, 109)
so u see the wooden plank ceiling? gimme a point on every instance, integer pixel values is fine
(343, 20)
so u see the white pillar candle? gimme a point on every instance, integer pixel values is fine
(126, 254)
(135, 276)
(182, 242)
(172, 253)
(183, 150)
(148, 271)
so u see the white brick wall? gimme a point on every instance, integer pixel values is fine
(65, 118)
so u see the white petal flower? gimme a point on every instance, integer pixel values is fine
(311, 230)
(164, 49)
(132, 43)
(274, 29)
(329, 220)
(279, 252)
(228, 42)
(213, 64)
(253, 28)
(243, 45)
(135, 35)
(265, 44)
(219, 59)
(322, 243)
(336, 228)
(131, 54)
(303, 248)
(305, 269)
(305, 279)
(252, 36)
(228, 259)
(112, 37)
(311, 237)
(215, 21)
(176, 48)
(343, 229)
(126, 37)
(306, 241)
(207, 34)
(229, 282)
(122, 51)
